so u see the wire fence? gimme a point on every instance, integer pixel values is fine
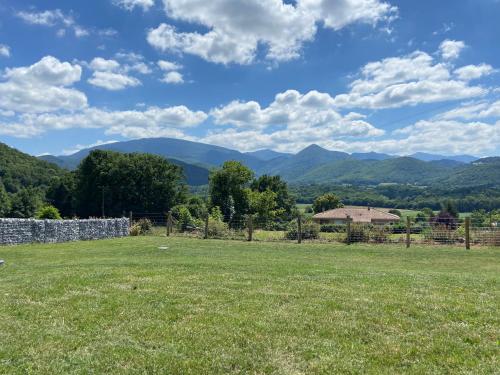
(459, 232)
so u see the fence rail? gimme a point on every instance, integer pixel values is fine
(408, 232)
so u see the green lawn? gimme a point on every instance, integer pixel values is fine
(125, 306)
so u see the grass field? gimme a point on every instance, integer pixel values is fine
(125, 306)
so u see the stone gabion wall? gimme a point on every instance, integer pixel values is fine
(19, 231)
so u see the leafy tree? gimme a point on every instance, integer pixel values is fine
(197, 207)
(478, 218)
(127, 182)
(284, 201)
(4, 201)
(25, 203)
(184, 218)
(326, 202)
(450, 208)
(48, 212)
(61, 195)
(264, 205)
(228, 190)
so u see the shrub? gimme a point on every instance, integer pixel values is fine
(333, 228)
(395, 212)
(184, 219)
(49, 213)
(359, 233)
(441, 234)
(310, 231)
(217, 228)
(379, 234)
(141, 227)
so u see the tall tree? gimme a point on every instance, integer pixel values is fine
(284, 201)
(326, 202)
(25, 203)
(112, 183)
(4, 201)
(228, 191)
(61, 195)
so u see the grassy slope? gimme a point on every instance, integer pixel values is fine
(123, 306)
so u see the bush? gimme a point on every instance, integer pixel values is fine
(217, 228)
(379, 234)
(442, 234)
(395, 212)
(141, 227)
(48, 213)
(310, 231)
(359, 233)
(333, 228)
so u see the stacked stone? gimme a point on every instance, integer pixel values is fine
(19, 231)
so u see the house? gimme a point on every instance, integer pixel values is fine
(367, 215)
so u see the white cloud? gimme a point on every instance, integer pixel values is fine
(139, 67)
(471, 72)
(169, 65)
(79, 147)
(80, 32)
(131, 4)
(4, 50)
(237, 28)
(451, 49)
(292, 120)
(42, 87)
(151, 122)
(111, 75)
(46, 18)
(473, 111)
(402, 81)
(113, 81)
(101, 64)
(63, 22)
(173, 78)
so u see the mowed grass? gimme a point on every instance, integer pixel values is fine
(198, 307)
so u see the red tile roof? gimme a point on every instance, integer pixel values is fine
(357, 214)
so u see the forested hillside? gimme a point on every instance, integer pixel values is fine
(19, 170)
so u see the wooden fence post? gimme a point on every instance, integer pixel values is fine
(205, 236)
(299, 229)
(408, 232)
(130, 217)
(467, 233)
(348, 230)
(169, 223)
(250, 228)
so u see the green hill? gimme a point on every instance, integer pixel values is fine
(403, 170)
(19, 170)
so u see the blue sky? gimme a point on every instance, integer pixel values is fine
(352, 75)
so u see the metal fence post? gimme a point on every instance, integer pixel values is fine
(169, 223)
(205, 236)
(467, 233)
(130, 217)
(348, 230)
(299, 229)
(408, 232)
(250, 228)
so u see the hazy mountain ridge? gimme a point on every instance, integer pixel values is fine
(313, 164)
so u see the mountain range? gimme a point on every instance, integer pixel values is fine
(313, 164)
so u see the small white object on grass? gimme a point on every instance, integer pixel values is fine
(2, 262)
(163, 248)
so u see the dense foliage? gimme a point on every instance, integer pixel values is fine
(19, 170)
(404, 196)
(110, 184)
(326, 202)
(234, 191)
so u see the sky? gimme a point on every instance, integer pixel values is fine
(352, 75)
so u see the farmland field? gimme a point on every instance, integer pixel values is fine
(195, 306)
